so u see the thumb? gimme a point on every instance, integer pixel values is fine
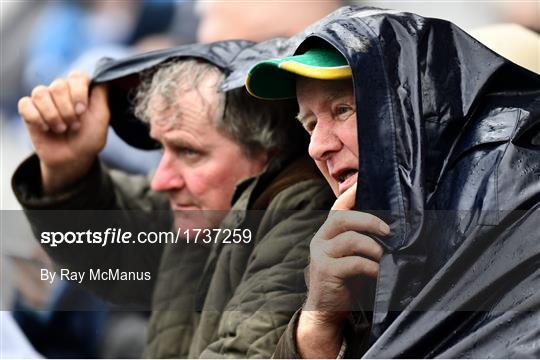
(99, 103)
(346, 200)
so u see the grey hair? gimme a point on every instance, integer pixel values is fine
(257, 126)
(169, 81)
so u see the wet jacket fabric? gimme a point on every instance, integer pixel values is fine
(449, 156)
(224, 300)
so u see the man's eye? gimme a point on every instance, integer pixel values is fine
(310, 125)
(188, 152)
(343, 111)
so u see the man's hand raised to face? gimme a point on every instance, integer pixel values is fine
(67, 126)
(342, 257)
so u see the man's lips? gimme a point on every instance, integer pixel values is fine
(346, 180)
(342, 174)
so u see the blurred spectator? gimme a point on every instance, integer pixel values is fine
(61, 320)
(57, 332)
(13, 343)
(258, 20)
(16, 21)
(65, 29)
(525, 13)
(40, 311)
(512, 41)
(518, 37)
(181, 26)
(76, 34)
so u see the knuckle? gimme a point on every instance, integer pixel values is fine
(78, 78)
(39, 92)
(79, 92)
(314, 244)
(360, 266)
(77, 73)
(22, 105)
(58, 87)
(368, 268)
(339, 220)
(329, 249)
(320, 234)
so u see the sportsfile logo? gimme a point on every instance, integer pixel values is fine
(119, 236)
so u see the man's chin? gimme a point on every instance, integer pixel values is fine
(197, 219)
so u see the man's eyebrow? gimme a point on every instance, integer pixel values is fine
(334, 95)
(174, 141)
(302, 117)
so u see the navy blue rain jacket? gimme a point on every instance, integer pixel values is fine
(449, 155)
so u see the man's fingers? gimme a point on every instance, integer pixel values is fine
(42, 100)
(61, 96)
(350, 266)
(30, 113)
(342, 221)
(352, 243)
(78, 84)
(346, 200)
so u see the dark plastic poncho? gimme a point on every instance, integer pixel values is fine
(449, 154)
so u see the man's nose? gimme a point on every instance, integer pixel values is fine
(168, 174)
(323, 141)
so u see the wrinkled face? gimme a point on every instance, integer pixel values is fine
(328, 113)
(200, 166)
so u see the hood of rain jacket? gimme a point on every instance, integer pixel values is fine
(449, 155)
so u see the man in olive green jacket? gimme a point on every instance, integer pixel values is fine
(222, 300)
(249, 293)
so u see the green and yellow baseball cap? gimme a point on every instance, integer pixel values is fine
(275, 79)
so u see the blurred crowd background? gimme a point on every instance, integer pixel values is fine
(41, 40)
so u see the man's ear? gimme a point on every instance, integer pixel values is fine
(260, 161)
